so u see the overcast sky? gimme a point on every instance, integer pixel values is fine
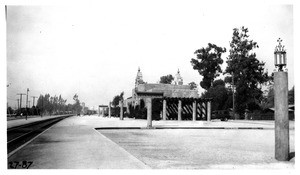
(95, 50)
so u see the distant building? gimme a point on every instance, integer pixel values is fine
(169, 90)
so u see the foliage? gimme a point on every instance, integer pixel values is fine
(208, 63)
(193, 85)
(47, 104)
(220, 95)
(167, 79)
(9, 110)
(117, 99)
(248, 71)
(291, 96)
(76, 107)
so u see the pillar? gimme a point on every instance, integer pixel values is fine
(208, 111)
(98, 111)
(149, 112)
(103, 111)
(281, 116)
(127, 108)
(121, 109)
(179, 109)
(194, 110)
(164, 109)
(109, 109)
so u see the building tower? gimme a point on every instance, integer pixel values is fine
(178, 79)
(139, 78)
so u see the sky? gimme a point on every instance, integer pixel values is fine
(95, 50)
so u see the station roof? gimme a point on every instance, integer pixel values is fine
(187, 99)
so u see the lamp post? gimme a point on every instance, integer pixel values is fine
(281, 104)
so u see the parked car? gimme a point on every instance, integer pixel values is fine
(223, 115)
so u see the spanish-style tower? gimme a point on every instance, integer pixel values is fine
(178, 79)
(139, 78)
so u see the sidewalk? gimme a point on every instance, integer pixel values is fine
(74, 144)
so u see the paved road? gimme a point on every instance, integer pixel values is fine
(74, 143)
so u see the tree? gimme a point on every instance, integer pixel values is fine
(76, 106)
(10, 110)
(166, 79)
(248, 72)
(291, 96)
(208, 63)
(219, 93)
(193, 85)
(117, 99)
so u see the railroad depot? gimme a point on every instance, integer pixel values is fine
(156, 101)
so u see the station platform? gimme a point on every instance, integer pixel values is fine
(74, 143)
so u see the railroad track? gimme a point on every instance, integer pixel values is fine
(18, 136)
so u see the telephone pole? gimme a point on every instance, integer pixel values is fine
(21, 94)
(27, 103)
(33, 99)
(18, 103)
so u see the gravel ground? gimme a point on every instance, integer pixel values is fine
(202, 148)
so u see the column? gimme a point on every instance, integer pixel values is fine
(149, 112)
(109, 109)
(208, 111)
(179, 109)
(98, 111)
(194, 110)
(103, 111)
(281, 116)
(127, 108)
(121, 109)
(164, 109)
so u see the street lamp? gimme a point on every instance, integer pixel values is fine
(281, 105)
(279, 55)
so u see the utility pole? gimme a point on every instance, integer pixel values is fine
(21, 94)
(27, 103)
(18, 103)
(42, 110)
(33, 99)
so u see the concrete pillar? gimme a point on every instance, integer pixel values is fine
(121, 109)
(281, 116)
(208, 110)
(179, 109)
(164, 109)
(109, 109)
(194, 110)
(127, 108)
(98, 111)
(103, 111)
(149, 112)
